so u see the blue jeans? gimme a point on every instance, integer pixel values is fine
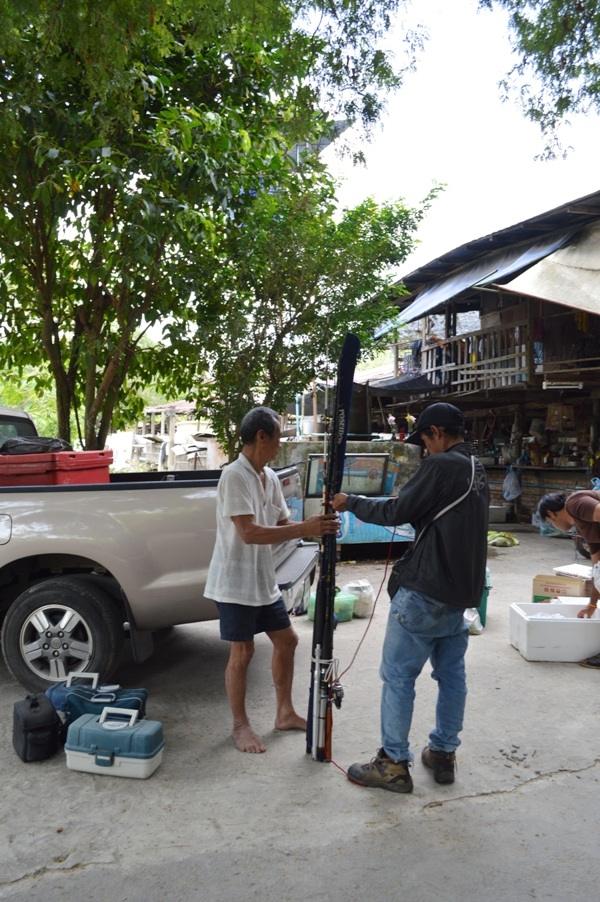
(421, 628)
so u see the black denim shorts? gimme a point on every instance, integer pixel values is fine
(241, 622)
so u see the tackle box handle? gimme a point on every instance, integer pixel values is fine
(115, 723)
(106, 697)
(94, 677)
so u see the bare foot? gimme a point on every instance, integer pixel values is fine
(291, 721)
(246, 740)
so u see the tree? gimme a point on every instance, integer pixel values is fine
(283, 290)
(559, 70)
(30, 390)
(132, 135)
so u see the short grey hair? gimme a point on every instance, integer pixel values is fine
(256, 419)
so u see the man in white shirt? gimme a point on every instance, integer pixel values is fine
(251, 517)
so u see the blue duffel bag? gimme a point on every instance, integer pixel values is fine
(73, 699)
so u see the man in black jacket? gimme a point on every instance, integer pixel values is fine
(430, 587)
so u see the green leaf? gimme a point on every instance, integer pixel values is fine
(245, 140)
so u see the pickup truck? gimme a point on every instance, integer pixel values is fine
(81, 564)
(14, 422)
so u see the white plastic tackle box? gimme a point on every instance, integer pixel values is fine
(115, 743)
(553, 632)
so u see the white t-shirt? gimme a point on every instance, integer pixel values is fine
(240, 573)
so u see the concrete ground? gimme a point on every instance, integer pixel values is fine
(520, 823)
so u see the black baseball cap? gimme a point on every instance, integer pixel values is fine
(446, 415)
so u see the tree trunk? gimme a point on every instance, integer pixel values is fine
(63, 411)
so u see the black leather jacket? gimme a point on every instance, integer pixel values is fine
(448, 563)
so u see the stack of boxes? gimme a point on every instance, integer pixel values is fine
(563, 581)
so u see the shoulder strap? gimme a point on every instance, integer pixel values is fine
(448, 507)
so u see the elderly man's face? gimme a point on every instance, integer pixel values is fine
(271, 443)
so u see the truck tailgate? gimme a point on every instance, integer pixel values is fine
(297, 564)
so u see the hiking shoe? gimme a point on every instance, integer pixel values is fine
(441, 763)
(383, 773)
(594, 661)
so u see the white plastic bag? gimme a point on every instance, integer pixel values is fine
(596, 575)
(473, 621)
(363, 590)
(511, 487)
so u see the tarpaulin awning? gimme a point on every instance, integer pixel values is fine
(402, 385)
(487, 270)
(570, 276)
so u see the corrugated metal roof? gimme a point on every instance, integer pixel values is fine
(570, 276)
(402, 385)
(569, 217)
(491, 268)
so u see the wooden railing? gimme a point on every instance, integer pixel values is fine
(479, 360)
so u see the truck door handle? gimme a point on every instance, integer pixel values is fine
(5, 528)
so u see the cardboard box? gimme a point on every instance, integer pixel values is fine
(551, 585)
(553, 632)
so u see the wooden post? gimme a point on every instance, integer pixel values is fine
(171, 442)
(529, 343)
(516, 437)
(595, 426)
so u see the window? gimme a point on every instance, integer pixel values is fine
(364, 474)
(10, 427)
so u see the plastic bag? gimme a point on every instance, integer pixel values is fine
(511, 487)
(502, 539)
(363, 590)
(473, 621)
(596, 575)
(34, 445)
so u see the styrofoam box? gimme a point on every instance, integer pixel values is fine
(568, 639)
(581, 571)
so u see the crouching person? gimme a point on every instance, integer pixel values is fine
(582, 511)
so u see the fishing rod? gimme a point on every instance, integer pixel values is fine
(325, 689)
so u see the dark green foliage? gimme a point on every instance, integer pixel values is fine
(282, 290)
(559, 71)
(133, 134)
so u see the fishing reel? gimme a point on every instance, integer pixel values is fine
(337, 693)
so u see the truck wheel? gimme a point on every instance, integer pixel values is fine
(61, 626)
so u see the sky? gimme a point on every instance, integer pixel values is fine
(447, 123)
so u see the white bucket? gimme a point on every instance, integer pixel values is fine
(363, 590)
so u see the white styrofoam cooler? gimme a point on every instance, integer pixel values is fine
(547, 638)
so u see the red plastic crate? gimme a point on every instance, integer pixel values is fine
(27, 469)
(81, 467)
(57, 468)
